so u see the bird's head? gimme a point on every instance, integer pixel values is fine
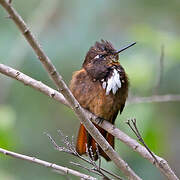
(103, 53)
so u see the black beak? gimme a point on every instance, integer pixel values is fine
(117, 52)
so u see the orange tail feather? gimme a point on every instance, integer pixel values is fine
(85, 138)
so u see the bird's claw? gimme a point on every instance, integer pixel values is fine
(99, 120)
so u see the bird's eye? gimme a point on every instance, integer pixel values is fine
(101, 56)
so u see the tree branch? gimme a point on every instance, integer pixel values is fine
(38, 85)
(133, 144)
(28, 81)
(55, 76)
(154, 98)
(46, 164)
(39, 20)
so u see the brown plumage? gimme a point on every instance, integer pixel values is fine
(101, 87)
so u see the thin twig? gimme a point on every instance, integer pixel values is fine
(131, 143)
(138, 135)
(57, 79)
(87, 168)
(69, 148)
(46, 164)
(160, 70)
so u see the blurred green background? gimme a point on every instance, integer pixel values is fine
(66, 30)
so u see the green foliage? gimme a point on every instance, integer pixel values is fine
(7, 122)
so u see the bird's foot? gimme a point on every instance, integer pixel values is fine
(99, 120)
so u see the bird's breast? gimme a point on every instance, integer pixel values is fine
(114, 80)
(96, 96)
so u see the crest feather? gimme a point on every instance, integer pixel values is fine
(100, 48)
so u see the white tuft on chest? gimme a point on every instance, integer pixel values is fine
(113, 83)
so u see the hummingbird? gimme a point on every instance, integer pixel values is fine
(101, 87)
